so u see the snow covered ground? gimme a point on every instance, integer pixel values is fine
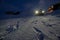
(29, 28)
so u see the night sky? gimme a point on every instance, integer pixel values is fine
(25, 6)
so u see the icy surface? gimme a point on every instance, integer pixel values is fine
(34, 28)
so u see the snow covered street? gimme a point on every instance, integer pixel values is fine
(48, 25)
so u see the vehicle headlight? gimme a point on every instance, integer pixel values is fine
(43, 11)
(36, 12)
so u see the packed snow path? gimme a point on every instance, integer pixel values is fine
(48, 25)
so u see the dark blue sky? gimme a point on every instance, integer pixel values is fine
(26, 6)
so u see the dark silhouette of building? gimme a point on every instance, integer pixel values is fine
(12, 13)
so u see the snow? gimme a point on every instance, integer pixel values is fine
(48, 25)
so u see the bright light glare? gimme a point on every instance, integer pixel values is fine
(36, 12)
(43, 11)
